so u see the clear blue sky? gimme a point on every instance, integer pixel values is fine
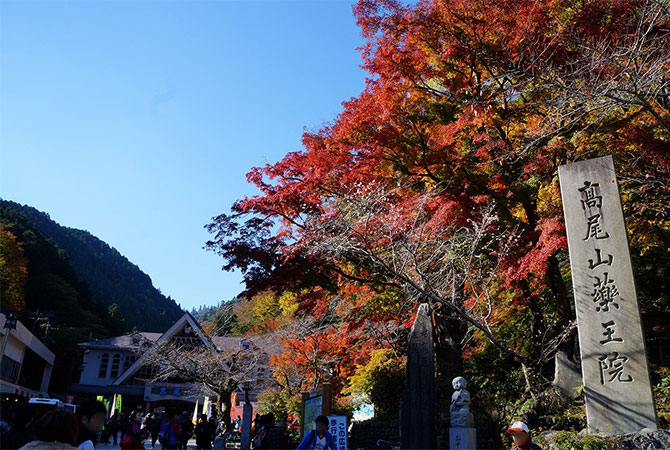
(137, 121)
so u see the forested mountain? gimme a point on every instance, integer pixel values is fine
(42, 288)
(111, 278)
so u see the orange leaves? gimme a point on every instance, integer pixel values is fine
(470, 107)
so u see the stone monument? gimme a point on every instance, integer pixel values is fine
(617, 388)
(462, 434)
(417, 406)
(247, 411)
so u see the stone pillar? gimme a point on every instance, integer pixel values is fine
(417, 407)
(617, 387)
(247, 413)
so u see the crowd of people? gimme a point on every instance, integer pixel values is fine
(32, 429)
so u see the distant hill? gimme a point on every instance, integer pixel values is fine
(111, 278)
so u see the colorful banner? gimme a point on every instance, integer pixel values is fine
(116, 404)
(207, 407)
(195, 413)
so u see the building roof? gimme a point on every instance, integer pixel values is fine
(127, 341)
(267, 342)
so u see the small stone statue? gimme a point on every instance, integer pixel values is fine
(460, 405)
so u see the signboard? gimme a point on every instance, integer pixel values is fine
(168, 391)
(312, 411)
(338, 429)
(617, 388)
(316, 402)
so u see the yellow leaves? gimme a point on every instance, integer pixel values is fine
(288, 304)
(644, 235)
(548, 197)
(267, 306)
(362, 381)
(518, 212)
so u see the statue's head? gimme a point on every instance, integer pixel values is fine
(459, 383)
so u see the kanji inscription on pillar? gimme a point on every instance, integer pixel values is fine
(617, 387)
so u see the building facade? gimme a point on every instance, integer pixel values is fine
(25, 370)
(122, 367)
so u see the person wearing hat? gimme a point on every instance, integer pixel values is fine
(521, 437)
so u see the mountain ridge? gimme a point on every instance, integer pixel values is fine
(112, 278)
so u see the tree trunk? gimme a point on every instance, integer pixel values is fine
(557, 286)
(531, 381)
(224, 407)
(448, 332)
(564, 309)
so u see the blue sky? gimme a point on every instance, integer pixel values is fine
(137, 121)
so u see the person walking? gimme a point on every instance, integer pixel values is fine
(170, 432)
(153, 424)
(113, 425)
(135, 434)
(521, 437)
(319, 438)
(186, 430)
(203, 434)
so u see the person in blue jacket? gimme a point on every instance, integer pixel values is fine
(319, 438)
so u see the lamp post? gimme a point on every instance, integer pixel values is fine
(10, 324)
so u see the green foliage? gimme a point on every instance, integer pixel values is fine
(652, 276)
(570, 440)
(281, 405)
(661, 380)
(116, 324)
(206, 313)
(110, 276)
(224, 321)
(496, 386)
(363, 381)
(389, 382)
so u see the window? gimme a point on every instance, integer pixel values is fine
(147, 372)
(104, 362)
(128, 361)
(10, 369)
(260, 376)
(116, 365)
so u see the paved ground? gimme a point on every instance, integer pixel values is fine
(218, 444)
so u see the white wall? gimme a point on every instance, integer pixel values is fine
(92, 362)
(21, 338)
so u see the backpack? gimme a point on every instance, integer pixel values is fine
(312, 438)
(259, 438)
(166, 436)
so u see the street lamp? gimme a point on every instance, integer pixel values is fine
(10, 322)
